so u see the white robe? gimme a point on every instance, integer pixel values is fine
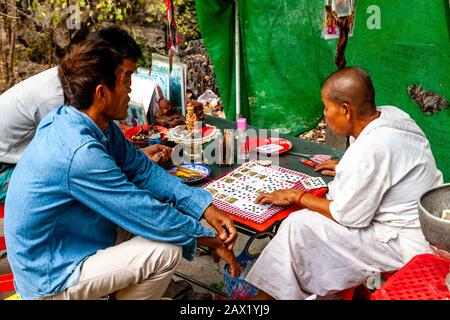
(374, 200)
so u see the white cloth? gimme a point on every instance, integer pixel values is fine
(375, 192)
(22, 107)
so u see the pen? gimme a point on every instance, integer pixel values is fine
(307, 162)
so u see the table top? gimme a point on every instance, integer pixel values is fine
(285, 160)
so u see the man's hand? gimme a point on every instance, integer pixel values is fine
(220, 251)
(158, 153)
(223, 224)
(284, 197)
(327, 168)
(234, 266)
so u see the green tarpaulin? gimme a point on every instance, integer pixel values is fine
(284, 60)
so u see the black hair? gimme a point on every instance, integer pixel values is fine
(119, 40)
(84, 67)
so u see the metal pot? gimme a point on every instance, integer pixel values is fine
(435, 229)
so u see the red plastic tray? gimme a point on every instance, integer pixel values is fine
(422, 278)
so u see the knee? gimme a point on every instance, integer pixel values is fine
(154, 255)
(175, 254)
(170, 255)
(303, 222)
(302, 218)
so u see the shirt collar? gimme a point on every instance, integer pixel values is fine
(102, 136)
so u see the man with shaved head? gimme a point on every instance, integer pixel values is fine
(369, 222)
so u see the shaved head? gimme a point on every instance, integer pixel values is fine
(353, 86)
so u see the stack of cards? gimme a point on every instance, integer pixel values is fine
(237, 191)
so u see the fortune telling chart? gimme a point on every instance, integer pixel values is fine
(237, 191)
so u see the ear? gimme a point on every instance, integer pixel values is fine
(100, 93)
(345, 107)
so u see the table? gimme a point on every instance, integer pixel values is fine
(285, 160)
(270, 226)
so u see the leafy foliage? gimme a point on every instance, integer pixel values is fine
(44, 31)
(185, 15)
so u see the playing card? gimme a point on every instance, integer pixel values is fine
(314, 183)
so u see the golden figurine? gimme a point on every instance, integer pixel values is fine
(191, 118)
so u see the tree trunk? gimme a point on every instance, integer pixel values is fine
(2, 50)
(12, 12)
(50, 46)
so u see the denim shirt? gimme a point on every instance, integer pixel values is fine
(74, 185)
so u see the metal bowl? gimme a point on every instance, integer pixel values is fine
(435, 229)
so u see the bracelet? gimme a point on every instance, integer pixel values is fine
(300, 197)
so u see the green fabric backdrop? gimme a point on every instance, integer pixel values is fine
(285, 60)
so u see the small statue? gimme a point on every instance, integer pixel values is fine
(167, 115)
(198, 110)
(191, 118)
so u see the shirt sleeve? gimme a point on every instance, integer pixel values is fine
(96, 181)
(360, 183)
(145, 174)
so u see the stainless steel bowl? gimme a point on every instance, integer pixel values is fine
(435, 229)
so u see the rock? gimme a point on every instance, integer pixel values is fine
(200, 76)
(26, 69)
(183, 290)
(151, 37)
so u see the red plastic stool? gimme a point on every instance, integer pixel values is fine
(6, 280)
(349, 294)
(422, 278)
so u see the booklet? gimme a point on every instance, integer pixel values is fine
(177, 80)
(146, 87)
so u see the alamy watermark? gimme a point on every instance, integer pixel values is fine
(74, 17)
(228, 147)
(374, 20)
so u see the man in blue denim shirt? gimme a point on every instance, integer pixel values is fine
(88, 214)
